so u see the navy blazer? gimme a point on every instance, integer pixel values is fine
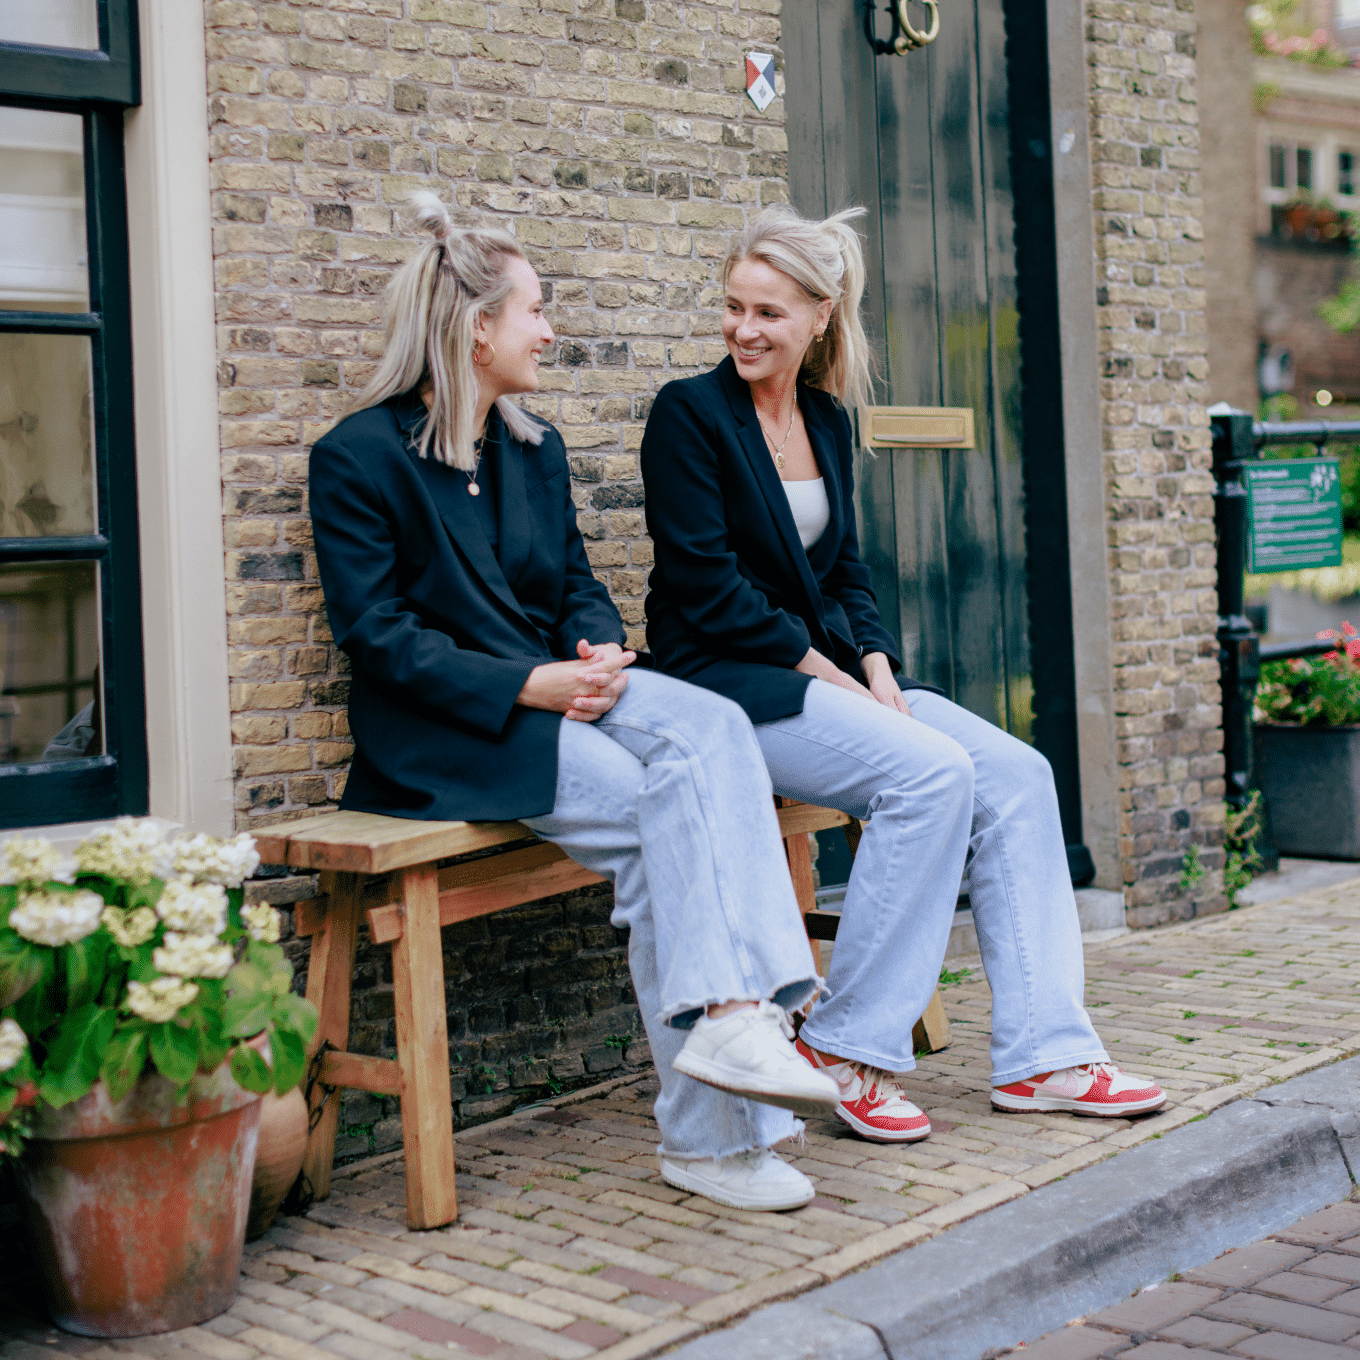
(735, 599)
(442, 635)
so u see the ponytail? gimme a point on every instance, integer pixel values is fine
(434, 302)
(826, 260)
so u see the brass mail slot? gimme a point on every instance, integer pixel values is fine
(918, 427)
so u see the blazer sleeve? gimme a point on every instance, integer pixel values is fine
(386, 640)
(848, 580)
(587, 611)
(687, 520)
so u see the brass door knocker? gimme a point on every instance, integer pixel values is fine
(909, 38)
(906, 37)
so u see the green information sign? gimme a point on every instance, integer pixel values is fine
(1295, 514)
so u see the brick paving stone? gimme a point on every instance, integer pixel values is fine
(1198, 1331)
(1300, 1319)
(1300, 1288)
(1248, 1264)
(592, 1333)
(1280, 1346)
(1074, 1343)
(1153, 1309)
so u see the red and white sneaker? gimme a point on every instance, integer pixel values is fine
(872, 1102)
(1095, 1088)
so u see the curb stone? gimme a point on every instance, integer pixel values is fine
(1081, 1244)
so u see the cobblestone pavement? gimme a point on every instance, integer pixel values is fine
(568, 1244)
(1291, 1297)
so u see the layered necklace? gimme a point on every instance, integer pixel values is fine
(778, 449)
(473, 488)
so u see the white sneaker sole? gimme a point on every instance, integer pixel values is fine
(873, 1135)
(721, 1194)
(1009, 1104)
(809, 1104)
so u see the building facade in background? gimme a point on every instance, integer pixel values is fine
(1047, 272)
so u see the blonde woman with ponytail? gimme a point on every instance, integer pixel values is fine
(759, 594)
(490, 681)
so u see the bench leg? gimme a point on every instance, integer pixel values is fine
(423, 1052)
(799, 856)
(931, 1032)
(330, 970)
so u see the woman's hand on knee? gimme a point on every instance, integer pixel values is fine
(882, 682)
(582, 689)
(818, 666)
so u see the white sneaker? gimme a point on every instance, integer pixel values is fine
(750, 1054)
(746, 1180)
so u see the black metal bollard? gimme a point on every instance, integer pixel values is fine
(1238, 646)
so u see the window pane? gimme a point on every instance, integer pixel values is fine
(1277, 176)
(50, 23)
(50, 698)
(1304, 177)
(46, 461)
(1345, 172)
(43, 260)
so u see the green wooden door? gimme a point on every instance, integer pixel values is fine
(922, 141)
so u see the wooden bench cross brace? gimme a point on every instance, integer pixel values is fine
(386, 869)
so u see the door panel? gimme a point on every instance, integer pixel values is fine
(922, 142)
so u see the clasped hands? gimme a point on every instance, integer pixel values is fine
(882, 684)
(583, 690)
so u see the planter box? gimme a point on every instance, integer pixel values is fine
(1310, 780)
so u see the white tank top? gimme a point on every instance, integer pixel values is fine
(811, 511)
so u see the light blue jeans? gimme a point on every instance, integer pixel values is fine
(942, 788)
(667, 796)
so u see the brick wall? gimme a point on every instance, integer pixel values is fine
(1150, 303)
(615, 139)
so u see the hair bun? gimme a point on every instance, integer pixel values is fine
(429, 213)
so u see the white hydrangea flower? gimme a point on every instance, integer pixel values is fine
(132, 850)
(56, 919)
(209, 859)
(29, 859)
(161, 999)
(193, 956)
(130, 928)
(13, 1043)
(263, 922)
(196, 910)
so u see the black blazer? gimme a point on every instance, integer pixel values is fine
(440, 634)
(735, 600)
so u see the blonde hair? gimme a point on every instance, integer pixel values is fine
(826, 260)
(434, 302)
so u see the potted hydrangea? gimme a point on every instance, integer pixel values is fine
(145, 1010)
(1307, 737)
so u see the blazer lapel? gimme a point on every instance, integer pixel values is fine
(448, 490)
(516, 537)
(823, 443)
(762, 466)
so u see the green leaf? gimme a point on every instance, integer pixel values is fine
(21, 966)
(235, 897)
(86, 966)
(243, 1016)
(124, 1059)
(174, 1050)
(296, 1014)
(213, 1045)
(37, 1010)
(290, 1059)
(250, 1069)
(9, 896)
(74, 1055)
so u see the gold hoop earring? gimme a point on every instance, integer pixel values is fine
(478, 345)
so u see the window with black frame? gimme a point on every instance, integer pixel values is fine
(72, 719)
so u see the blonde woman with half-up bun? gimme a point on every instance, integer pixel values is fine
(491, 680)
(759, 594)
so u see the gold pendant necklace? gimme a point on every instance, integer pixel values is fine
(473, 488)
(779, 451)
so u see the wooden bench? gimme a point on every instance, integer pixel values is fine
(388, 870)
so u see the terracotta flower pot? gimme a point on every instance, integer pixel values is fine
(283, 1141)
(136, 1211)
